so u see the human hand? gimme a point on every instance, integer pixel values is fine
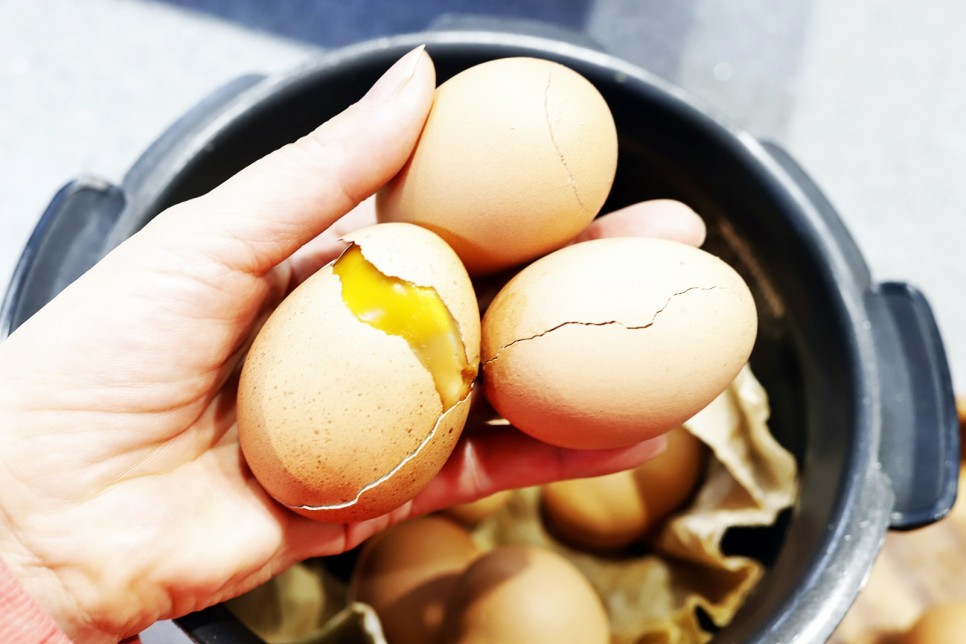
(124, 497)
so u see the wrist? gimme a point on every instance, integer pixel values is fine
(22, 617)
(32, 595)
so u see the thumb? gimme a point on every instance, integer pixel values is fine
(265, 212)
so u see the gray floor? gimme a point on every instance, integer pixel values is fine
(868, 95)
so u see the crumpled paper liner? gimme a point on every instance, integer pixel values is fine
(650, 597)
(295, 606)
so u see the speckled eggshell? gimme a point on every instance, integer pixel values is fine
(516, 157)
(613, 341)
(337, 420)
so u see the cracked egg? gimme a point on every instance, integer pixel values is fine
(357, 387)
(516, 157)
(613, 341)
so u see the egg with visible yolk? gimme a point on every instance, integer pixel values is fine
(356, 388)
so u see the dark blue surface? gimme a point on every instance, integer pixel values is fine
(332, 23)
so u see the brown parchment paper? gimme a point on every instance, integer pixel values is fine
(651, 597)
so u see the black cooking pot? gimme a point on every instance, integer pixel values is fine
(855, 371)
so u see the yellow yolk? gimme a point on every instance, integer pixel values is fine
(416, 313)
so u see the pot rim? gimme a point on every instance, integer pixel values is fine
(857, 528)
(861, 516)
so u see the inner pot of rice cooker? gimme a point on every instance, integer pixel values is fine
(855, 370)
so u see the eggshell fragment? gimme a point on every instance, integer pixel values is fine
(524, 594)
(408, 573)
(613, 341)
(339, 420)
(516, 157)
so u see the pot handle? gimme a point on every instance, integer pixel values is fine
(920, 448)
(164, 150)
(67, 241)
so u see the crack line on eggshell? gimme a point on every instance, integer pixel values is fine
(556, 146)
(635, 327)
(385, 477)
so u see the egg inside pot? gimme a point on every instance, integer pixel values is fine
(525, 594)
(612, 512)
(408, 573)
(356, 389)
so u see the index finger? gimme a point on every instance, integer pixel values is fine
(662, 218)
(264, 213)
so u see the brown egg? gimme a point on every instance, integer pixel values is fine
(613, 341)
(609, 513)
(357, 387)
(669, 479)
(943, 623)
(516, 157)
(600, 514)
(472, 513)
(408, 572)
(524, 594)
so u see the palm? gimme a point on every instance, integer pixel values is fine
(150, 438)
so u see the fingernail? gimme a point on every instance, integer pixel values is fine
(395, 77)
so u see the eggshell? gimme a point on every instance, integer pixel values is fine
(609, 513)
(338, 420)
(524, 594)
(612, 341)
(407, 574)
(599, 514)
(516, 157)
(669, 479)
